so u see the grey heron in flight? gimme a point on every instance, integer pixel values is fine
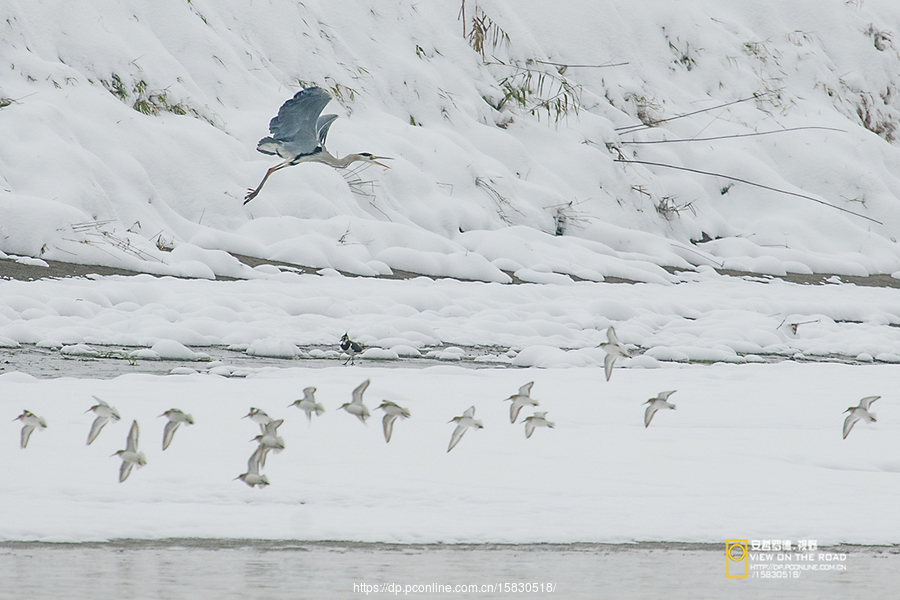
(298, 135)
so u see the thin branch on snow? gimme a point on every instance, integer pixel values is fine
(738, 179)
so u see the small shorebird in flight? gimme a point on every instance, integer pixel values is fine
(356, 406)
(539, 419)
(613, 350)
(860, 412)
(130, 455)
(463, 422)
(30, 422)
(655, 404)
(308, 403)
(176, 417)
(104, 413)
(391, 412)
(520, 399)
(269, 440)
(259, 417)
(252, 477)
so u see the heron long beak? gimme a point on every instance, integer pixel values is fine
(381, 158)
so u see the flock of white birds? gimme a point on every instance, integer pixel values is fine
(268, 440)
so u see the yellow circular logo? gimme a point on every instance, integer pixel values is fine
(736, 551)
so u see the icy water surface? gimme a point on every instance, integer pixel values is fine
(112, 361)
(224, 569)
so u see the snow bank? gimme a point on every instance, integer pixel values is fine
(501, 158)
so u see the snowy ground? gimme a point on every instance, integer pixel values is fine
(151, 140)
(752, 451)
(704, 318)
(129, 135)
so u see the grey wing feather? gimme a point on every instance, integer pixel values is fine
(26, 433)
(125, 470)
(848, 424)
(648, 415)
(867, 401)
(608, 365)
(296, 120)
(514, 410)
(132, 443)
(323, 124)
(611, 335)
(263, 453)
(457, 435)
(388, 422)
(169, 433)
(358, 392)
(98, 424)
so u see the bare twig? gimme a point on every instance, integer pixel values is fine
(725, 137)
(696, 112)
(567, 66)
(738, 179)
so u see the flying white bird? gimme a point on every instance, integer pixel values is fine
(104, 413)
(252, 477)
(463, 422)
(176, 418)
(130, 455)
(520, 399)
(859, 412)
(539, 419)
(656, 404)
(308, 403)
(391, 412)
(613, 350)
(259, 417)
(270, 440)
(356, 406)
(30, 422)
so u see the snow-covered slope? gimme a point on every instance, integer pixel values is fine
(128, 125)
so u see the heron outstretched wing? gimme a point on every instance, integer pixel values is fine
(296, 120)
(322, 125)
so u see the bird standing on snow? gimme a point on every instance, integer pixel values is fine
(259, 417)
(308, 403)
(252, 477)
(130, 455)
(463, 422)
(656, 404)
(30, 422)
(104, 413)
(356, 406)
(539, 419)
(391, 412)
(859, 412)
(520, 399)
(176, 418)
(298, 135)
(350, 347)
(613, 350)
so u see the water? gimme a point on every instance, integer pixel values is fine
(256, 569)
(112, 361)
